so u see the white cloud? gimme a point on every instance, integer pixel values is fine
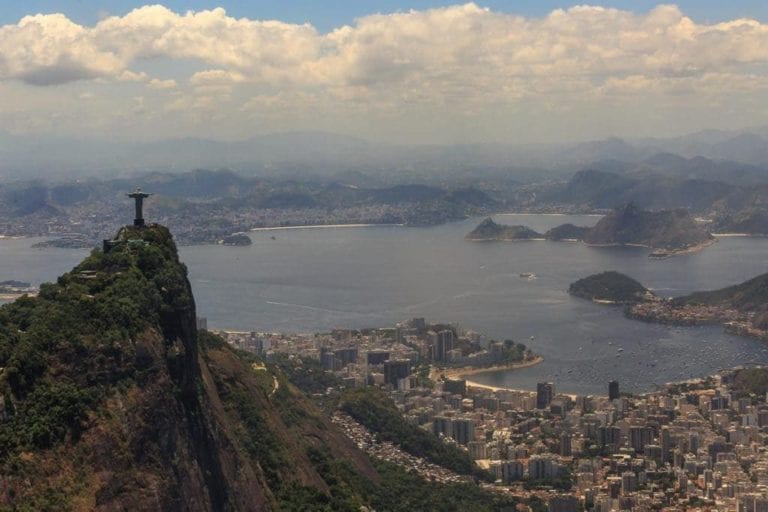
(156, 83)
(216, 77)
(131, 76)
(461, 58)
(437, 47)
(51, 49)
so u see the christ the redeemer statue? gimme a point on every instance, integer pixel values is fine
(139, 197)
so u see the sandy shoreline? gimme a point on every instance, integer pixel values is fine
(554, 214)
(696, 248)
(327, 226)
(741, 235)
(507, 239)
(678, 252)
(462, 373)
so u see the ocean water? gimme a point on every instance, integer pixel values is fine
(316, 279)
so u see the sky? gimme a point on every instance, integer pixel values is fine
(417, 72)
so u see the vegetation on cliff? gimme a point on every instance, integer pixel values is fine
(110, 399)
(751, 295)
(749, 382)
(610, 286)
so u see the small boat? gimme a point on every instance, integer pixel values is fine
(527, 275)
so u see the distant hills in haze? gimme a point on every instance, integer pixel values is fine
(207, 206)
(321, 153)
(219, 188)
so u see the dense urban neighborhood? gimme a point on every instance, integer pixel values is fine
(697, 444)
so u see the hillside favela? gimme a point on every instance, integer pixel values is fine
(385, 256)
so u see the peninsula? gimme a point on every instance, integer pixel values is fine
(741, 308)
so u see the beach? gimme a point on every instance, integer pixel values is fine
(463, 372)
(320, 226)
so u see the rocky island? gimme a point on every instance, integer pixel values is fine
(611, 288)
(741, 309)
(665, 232)
(237, 239)
(488, 230)
(567, 232)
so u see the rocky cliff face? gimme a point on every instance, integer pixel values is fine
(111, 399)
(665, 229)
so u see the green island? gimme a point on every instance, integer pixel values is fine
(741, 308)
(610, 287)
(567, 232)
(236, 239)
(665, 232)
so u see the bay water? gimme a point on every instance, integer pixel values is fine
(312, 280)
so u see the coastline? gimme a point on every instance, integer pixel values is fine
(694, 248)
(740, 235)
(463, 372)
(675, 252)
(554, 214)
(655, 253)
(506, 239)
(320, 226)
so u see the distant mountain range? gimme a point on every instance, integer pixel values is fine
(738, 202)
(718, 175)
(322, 153)
(207, 206)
